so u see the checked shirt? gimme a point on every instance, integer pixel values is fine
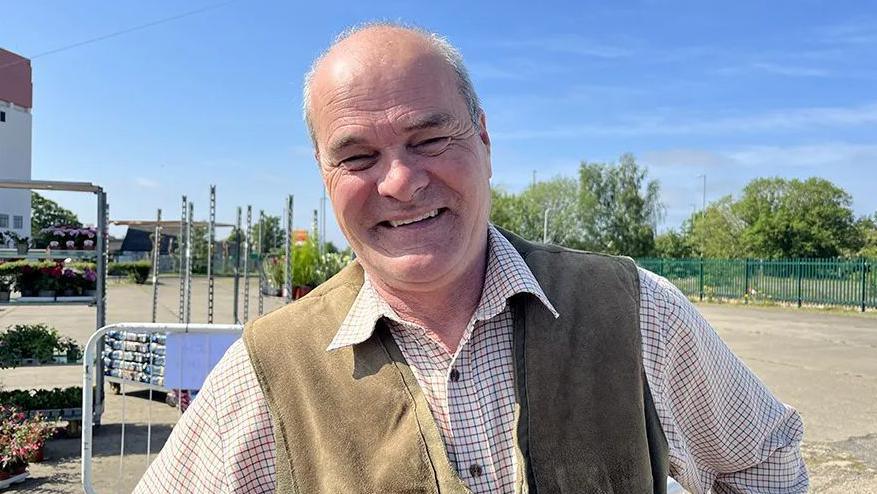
(725, 430)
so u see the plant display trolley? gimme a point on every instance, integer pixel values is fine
(98, 299)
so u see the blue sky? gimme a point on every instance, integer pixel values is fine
(736, 91)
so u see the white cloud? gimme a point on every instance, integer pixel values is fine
(146, 183)
(779, 120)
(791, 70)
(825, 156)
(852, 32)
(687, 158)
(829, 155)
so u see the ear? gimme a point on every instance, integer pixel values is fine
(485, 139)
(485, 136)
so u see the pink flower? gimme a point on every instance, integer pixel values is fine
(70, 244)
(88, 243)
(53, 244)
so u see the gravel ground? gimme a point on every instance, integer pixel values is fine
(822, 363)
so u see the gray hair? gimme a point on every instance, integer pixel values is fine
(439, 43)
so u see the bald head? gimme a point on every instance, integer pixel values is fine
(384, 46)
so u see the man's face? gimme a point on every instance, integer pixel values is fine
(407, 171)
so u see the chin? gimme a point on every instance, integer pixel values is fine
(416, 268)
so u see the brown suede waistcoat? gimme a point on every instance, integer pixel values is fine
(354, 420)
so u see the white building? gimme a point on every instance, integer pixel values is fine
(16, 101)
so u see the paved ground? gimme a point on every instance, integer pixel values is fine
(824, 364)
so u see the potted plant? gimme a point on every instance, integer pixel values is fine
(71, 350)
(5, 288)
(13, 450)
(32, 434)
(46, 286)
(49, 281)
(68, 283)
(28, 342)
(89, 282)
(22, 244)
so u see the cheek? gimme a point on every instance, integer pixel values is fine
(349, 195)
(468, 174)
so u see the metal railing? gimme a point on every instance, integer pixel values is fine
(89, 379)
(835, 282)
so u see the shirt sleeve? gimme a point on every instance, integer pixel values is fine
(724, 429)
(191, 459)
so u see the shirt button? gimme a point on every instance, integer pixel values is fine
(455, 375)
(475, 470)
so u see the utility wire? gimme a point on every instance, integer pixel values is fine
(121, 32)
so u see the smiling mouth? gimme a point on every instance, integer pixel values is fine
(414, 220)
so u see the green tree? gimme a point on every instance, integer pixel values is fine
(867, 231)
(506, 211)
(619, 207)
(46, 213)
(525, 213)
(797, 219)
(675, 244)
(272, 234)
(717, 232)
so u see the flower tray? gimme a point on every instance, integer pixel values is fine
(76, 298)
(5, 484)
(58, 413)
(27, 300)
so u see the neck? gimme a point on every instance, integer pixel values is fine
(444, 310)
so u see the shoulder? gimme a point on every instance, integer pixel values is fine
(554, 264)
(665, 309)
(311, 320)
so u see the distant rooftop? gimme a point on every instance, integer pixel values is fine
(15, 79)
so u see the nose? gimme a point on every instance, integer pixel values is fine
(403, 180)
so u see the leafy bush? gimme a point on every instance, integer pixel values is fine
(138, 271)
(35, 341)
(309, 268)
(43, 399)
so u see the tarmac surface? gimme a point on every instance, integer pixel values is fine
(824, 363)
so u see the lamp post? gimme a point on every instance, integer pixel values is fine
(545, 226)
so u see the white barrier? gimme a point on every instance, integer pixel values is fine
(88, 380)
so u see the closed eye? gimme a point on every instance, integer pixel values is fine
(358, 161)
(432, 146)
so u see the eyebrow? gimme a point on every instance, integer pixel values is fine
(431, 120)
(428, 121)
(348, 140)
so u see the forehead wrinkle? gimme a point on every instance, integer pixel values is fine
(431, 120)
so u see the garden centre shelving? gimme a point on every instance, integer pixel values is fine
(99, 254)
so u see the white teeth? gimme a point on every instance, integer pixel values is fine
(428, 215)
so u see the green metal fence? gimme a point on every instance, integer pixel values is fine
(838, 282)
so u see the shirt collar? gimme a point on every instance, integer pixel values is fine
(506, 275)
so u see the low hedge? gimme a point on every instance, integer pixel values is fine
(43, 399)
(135, 270)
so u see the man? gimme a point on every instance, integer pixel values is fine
(453, 357)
